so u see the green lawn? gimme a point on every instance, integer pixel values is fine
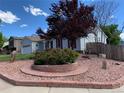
(18, 57)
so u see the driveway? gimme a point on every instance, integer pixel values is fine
(8, 88)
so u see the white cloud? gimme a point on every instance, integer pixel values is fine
(112, 16)
(23, 25)
(122, 36)
(45, 30)
(8, 17)
(26, 9)
(35, 11)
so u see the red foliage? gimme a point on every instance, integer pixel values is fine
(69, 21)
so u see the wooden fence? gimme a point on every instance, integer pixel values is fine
(111, 51)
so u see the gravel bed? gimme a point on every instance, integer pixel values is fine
(94, 74)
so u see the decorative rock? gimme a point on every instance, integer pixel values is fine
(102, 55)
(104, 64)
(93, 78)
(117, 63)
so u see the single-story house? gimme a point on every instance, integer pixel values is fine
(15, 42)
(34, 43)
(31, 44)
(80, 45)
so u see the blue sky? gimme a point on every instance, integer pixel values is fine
(23, 17)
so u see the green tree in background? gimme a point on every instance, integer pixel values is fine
(1, 40)
(113, 34)
(5, 39)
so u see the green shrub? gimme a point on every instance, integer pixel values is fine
(55, 57)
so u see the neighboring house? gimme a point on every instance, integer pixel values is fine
(80, 43)
(5, 48)
(15, 42)
(32, 44)
(5, 44)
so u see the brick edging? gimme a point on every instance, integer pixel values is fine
(27, 70)
(73, 84)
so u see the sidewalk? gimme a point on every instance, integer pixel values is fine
(8, 88)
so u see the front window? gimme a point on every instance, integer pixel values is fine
(37, 45)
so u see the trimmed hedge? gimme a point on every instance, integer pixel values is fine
(55, 57)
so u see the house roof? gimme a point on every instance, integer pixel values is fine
(33, 38)
(97, 27)
(18, 38)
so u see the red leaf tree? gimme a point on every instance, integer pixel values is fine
(70, 21)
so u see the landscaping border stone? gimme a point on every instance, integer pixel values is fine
(73, 84)
(8, 70)
(56, 68)
(45, 73)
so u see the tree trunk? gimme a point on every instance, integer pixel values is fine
(72, 44)
(59, 43)
(56, 43)
(69, 43)
(47, 45)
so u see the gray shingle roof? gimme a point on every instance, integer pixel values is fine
(33, 38)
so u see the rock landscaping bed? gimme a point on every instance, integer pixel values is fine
(93, 77)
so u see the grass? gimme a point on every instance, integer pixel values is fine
(18, 57)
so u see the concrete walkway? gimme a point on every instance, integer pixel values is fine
(8, 88)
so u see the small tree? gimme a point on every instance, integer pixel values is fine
(104, 11)
(113, 34)
(1, 40)
(69, 21)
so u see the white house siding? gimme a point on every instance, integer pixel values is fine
(104, 39)
(41, 46)
(54, 43)
(37, 46)
(78, 47)
(101, 37)
(64, 43)
(82, 43)
(34, 46)
(91, 37)
(84, 40)
(26, 50)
